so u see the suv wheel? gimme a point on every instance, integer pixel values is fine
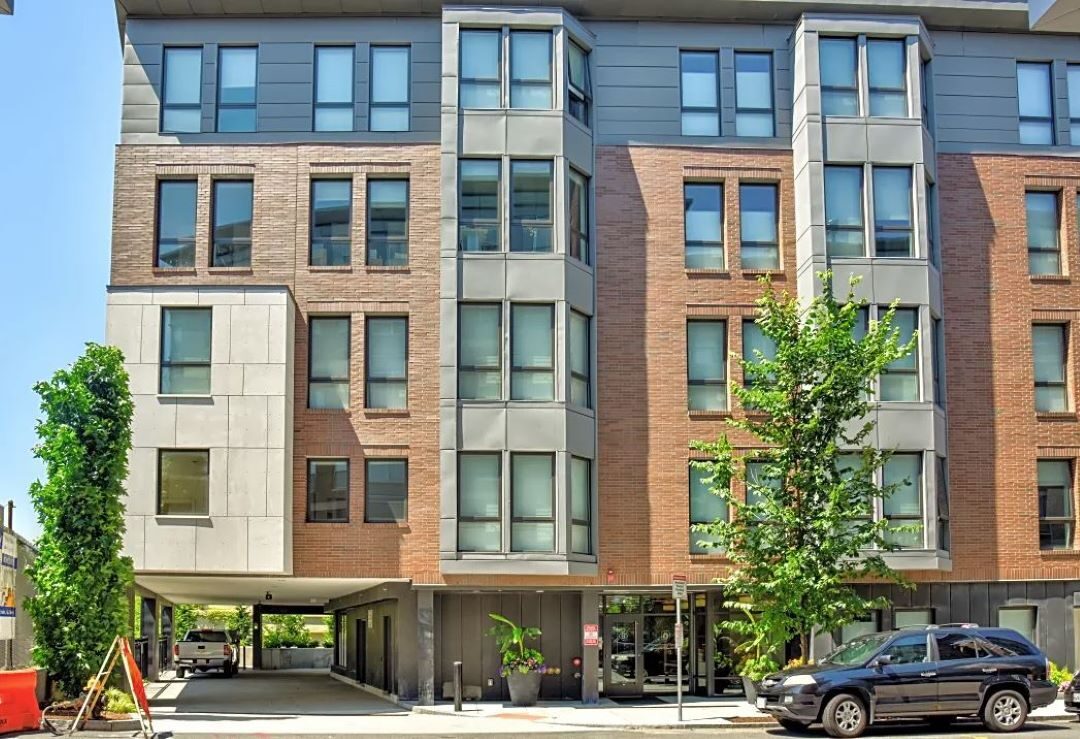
(845, 716)
(1005, 711)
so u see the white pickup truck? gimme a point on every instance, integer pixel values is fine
(206, 649)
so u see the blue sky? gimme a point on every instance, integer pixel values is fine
(59, 123)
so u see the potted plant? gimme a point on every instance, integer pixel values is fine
(522, 666)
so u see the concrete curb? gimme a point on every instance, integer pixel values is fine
(125, 725)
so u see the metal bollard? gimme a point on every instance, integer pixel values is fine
(457, 687)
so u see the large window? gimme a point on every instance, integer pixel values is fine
(580, 505)
(183, 482)
(900, 380)
(181, 100)
(328, 368)
(759, 226)
(579, 360)
(334, 88)
(705, 508)
(1055, 504)
(754, 114)
(532, 502)
(579, 84)
(328, 490)
(532, 352)
(1043, 233)
(236, 89)
(1019, 618)
(1050, 348)
(703, 213)
(578, 221)
(233, 205)
(893, 222)
(388, 223)
(530, 70)
(1074, 104)
(937, 351)
(887, 72)
(480, 352)
(755, 342)
(902, 507)
(331, 218)
(479, 513)
(944, 542)
(700, 92)
(530, 205)
(839, 76)
(481, 60)
(389, 88)
(386, 491)
(478, 206)
(176, 223)
(1035, 93)
(706, 365)
(185, 351)
(844, 228)
(387, 363)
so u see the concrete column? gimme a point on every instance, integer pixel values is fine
(256, 637)
(425, 647)
(148, 621)
(590, 656)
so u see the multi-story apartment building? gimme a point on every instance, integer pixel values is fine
(424, 303)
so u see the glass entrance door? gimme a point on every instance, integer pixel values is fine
(622, 647)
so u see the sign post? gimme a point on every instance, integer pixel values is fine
(678, 592)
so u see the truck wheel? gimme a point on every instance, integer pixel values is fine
(1005, 711)
(230, 670)
(845, 716)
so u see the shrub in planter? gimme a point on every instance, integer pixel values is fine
(522, 666)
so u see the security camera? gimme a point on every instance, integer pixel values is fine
(268, 596)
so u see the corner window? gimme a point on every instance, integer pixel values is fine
(386, 491)
(578, 236)
(1035, 93)
(181, 99)
(479, 513)
(1021, 619)
(844, 228)
(1050, 348)
(1055, 504)
(334, 88)
(931, 221)
(1074, 104)
(480, 351)
(530, 205)
(388, 223)
(754, 114)
(232, 206)
(331, 220)
(579, 360)
(185, 351)
(328, 368)
(389, 88)
(759, 227)
(236, 89)
(703, 224)
(1043, 233)
(924, 89)
(755, 343)
(481, 60)
(183, 482)
(705, 508)
(700, 93)
(887, 71)
(532, 502)
(937, 349)
(902, 473)
(532, 352)
(580, 505)
(838, 58)
(944, 542)
(387, 363)
(900, 380)
(530, 70)
(893, 222)
(328, 490)
(176, 223)
(579, 87)
(706, 364)
(479, 228)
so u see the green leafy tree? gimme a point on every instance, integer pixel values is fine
(286, 630)
(805, 531)
(187, 617)
(239, 621)
(79, 576)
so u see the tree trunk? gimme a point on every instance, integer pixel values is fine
(804, 647)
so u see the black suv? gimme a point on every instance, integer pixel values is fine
(935, 673)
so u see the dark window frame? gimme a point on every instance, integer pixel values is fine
(373, 104)
(579, 246)
(838, 228)
(908, 519)
(579, 101)
(528, 83)
(844, 89)
(369, 380)
(514, 369)
(316, 105)
(165, 106)
(574, 374)
(496, 223)
(163, 363)
(367, 485)
(464, 81)
(587, 522)
(1039, 248)
(390, 243)
(698, 520)
(463, 368)
(774, 245)
(683, 108)
(160, 458)
(537, 224)
(190, 242)
(1063, 327)
(688, 243)
(941, 471)
(872, 88)
(498, 518)
(937, 359)
(771, 110)
(534, 519)
(312, 380)
(1069, 494)
(916, 352)
(348, 489)
(885, 228)
(1049, 66)
(253, 105)
(706, 382)
(248, 242)
(330, 243)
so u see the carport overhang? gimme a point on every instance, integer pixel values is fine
(1055, 16)
(248, 589)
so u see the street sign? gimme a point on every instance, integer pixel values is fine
(678, 586)
(679, 632)
(591, 636)
(678, 592)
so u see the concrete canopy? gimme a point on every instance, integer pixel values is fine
(1055, 16)
(228, 590)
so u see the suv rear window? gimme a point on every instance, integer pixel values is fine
(961, 646)
(1011, 647)
(217, 637)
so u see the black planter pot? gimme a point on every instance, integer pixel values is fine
(524, 688)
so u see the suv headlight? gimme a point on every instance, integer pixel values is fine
(796, 680)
